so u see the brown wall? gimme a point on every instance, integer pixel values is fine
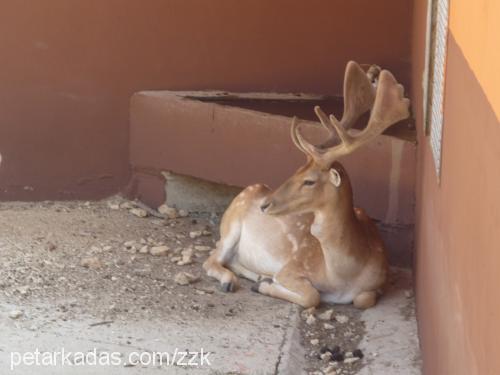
(458, 220)
(68, 69)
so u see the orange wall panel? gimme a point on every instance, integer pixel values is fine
(476, 28)
(458, 220)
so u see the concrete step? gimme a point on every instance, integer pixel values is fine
(208, 135)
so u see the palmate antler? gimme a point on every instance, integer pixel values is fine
(359, 95)
(387, 103)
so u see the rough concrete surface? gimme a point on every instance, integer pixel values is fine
(195, 194)
(82, 277)
(391, 340)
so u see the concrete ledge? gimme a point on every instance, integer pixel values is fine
(236, 146)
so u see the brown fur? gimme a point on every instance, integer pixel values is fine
(306, 234)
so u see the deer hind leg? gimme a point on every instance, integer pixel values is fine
(365, 300)
(294, 289)
(225, 251)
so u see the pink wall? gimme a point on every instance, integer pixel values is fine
(70, 67)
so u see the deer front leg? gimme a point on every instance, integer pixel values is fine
(291, 288)
(226, 248)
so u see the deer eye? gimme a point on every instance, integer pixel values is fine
(309, 182)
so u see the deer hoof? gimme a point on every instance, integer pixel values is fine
(255, 287)
(228, 287)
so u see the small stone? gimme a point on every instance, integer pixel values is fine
(328, 326)
(326, 315)
(342, 319)
(187, 257)
(307, 312)
(91, 263)
(126, 205)
(139, 212)
(351, 360)
(310, 319)
(358, 353)
(184, 262)
(330, 370)
(184, 278)
(337, 357)
(23, 290)
(326, 356)
(202, 248)
(206, 233)
(114, 205)
(129, 244)
(159, 250)
(183, 213)
(314, 342)
(169, 212)
(324, 349)
(195, 234)
(348, 355)
(16, 314)
(144, 250)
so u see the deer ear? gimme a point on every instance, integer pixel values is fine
(335, 177)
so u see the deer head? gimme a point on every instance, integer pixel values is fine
(322, 180)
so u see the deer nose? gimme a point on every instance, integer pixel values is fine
(265, 206)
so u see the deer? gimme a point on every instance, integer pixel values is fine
(305, 242)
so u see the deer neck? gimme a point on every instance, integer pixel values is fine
(337, 229)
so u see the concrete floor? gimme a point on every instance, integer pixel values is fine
(129, 302)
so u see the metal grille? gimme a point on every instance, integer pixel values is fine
(438, 63)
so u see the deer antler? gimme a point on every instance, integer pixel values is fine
(359, 95)
(388, 107)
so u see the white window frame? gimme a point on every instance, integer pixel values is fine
(435, 76)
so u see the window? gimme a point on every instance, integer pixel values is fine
(434, 75)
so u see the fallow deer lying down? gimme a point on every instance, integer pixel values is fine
(305, 242)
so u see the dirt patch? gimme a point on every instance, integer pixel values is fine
(86, 275)
(100, 260)
(331, 336)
